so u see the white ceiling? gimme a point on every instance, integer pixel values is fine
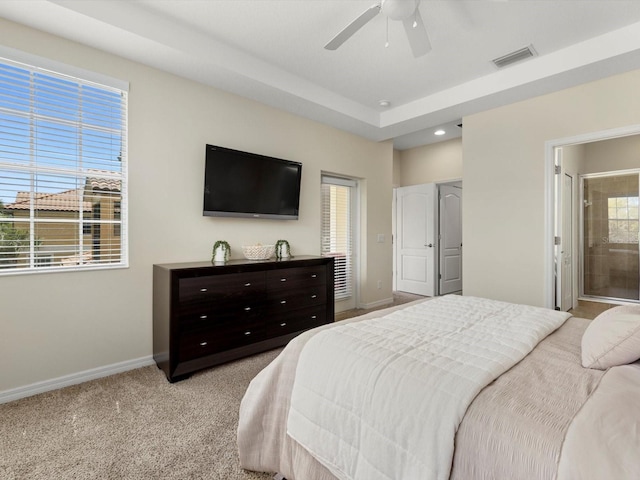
(272, 51)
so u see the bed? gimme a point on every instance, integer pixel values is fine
(453, 387)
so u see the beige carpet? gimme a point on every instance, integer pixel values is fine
(134, 425)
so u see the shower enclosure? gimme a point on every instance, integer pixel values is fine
(609, 243)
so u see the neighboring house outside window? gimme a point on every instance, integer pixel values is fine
(63, 167)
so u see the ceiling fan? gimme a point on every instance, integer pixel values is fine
(405, 10)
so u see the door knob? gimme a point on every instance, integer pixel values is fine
(430, 245)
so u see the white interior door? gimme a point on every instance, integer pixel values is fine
(566, 251)
(450, 239)
(564, 235)
(415, 242)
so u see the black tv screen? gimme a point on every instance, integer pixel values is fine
(242, 184)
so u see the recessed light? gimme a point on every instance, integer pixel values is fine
(384, 103)
(439, 132)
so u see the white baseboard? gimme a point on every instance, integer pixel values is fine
(74, 379)
(379, 303)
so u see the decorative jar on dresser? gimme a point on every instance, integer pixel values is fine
(205, 314)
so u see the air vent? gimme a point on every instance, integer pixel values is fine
(513, 57)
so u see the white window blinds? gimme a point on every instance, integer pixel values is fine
(62, 171)
(337, 231)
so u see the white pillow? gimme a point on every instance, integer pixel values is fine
(612, 338)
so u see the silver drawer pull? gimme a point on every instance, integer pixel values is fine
(203, 344)
(203, 289)
(246, 309)
(283, 302)
(247, 333)
(314, 296)
(247, 284)
(314, 276)
(313, 317)
(283, 324)
(202, 317)
(283, 279)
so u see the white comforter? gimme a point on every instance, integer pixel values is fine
(430, 361)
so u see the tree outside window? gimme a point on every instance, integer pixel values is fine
(623, 219)
(13, 241)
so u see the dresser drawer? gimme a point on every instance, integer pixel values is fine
(220, 288)
(206, 342)
(219, 315)
(287, 278)
(298, 320)
(294, 298)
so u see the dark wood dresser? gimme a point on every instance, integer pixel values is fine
(205, 314)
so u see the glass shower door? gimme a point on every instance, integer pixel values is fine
(611, 267)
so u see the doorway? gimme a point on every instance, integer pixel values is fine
(428, 238)
(339, 200)
(607, 153)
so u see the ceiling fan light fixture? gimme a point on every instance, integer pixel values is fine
(405, 10)
(399, 9)
(439, 132)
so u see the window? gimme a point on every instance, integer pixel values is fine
(623, 219)
(338, 195)
(62, 168)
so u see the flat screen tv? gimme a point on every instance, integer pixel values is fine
(242, 184)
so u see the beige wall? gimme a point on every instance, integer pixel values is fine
(621, 153)
(58, 324)
(396, 168)
(438, 162)
(616, 154)
(504, 181)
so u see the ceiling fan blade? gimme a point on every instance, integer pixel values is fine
(418, 36)
(353, 27)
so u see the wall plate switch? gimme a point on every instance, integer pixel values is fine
(381, 238)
